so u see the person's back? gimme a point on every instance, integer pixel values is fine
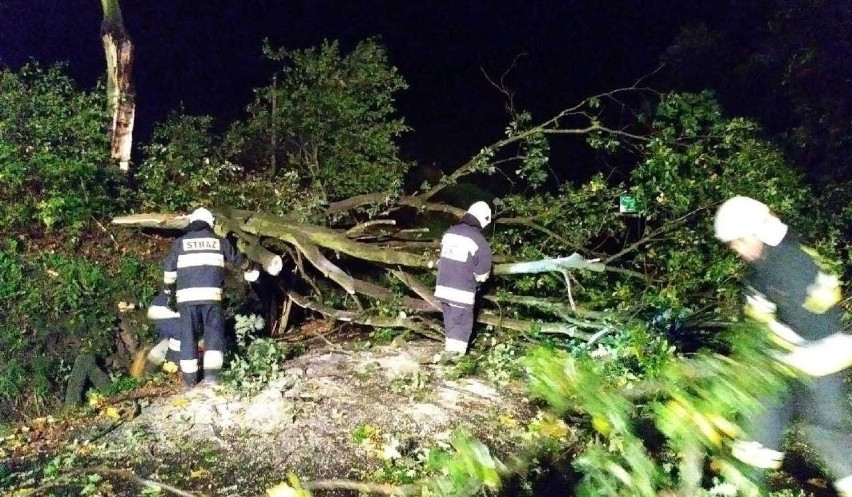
(196, 266)
(464, 255)
(198, 259)
(465, 261)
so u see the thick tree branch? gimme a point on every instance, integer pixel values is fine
(424, 327)
(361, 228)
(321, 262)
(527, 326)
(278, 227)
(249, 244)
(418, 287)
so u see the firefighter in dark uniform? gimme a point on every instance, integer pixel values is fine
(196, 267)
(164, 355)
(465, 262)
(798, 301)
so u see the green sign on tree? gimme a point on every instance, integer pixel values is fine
(627, 204)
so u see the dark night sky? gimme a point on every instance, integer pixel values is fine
(208, 54)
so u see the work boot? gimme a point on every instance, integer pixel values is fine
(447, 358)
(211, 377)
(190, 380)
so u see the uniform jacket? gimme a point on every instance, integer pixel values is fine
(465, 259)
(803, 300)
(196, 263)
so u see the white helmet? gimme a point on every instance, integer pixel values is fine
(481, 212)
(740, 217)
(201, 214)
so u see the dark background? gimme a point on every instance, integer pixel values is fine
(207, 55)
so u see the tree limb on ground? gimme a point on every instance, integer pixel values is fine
(319, 244)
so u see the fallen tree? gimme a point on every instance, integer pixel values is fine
(570, 262)
(370, 258)
(319, 252)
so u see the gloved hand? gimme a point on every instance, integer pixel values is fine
(821, 357)
(252, 273)
(760, 309)
(756, 454)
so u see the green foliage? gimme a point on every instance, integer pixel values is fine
(122, 384)
(188, 164)
(632, 354)
(328, 118)
(184, 166)
(280, 194)
(467, 470)
(499, 360)
(257, 361)
(694, 404)
(534, 151)
(382, 336)
(691, 159)
(697, 157)
(54, 152)
(54, 306)
(363, 432)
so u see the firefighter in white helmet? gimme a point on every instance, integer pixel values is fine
(793, 295)
(465, 263)
(195, 266)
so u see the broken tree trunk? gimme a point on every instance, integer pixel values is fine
(85, 371)
(118, 50)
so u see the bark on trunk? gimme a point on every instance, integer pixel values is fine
(118, 50)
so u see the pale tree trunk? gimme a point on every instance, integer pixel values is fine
(118, 49)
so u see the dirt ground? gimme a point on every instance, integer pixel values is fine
(365, 415)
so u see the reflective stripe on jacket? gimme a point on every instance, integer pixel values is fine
(465, 258)
(790, 293)
(196, 263)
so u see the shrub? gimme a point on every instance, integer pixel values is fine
(54, 152)
(184, 166)
(256, 362)
(54, 306)
(333, 121)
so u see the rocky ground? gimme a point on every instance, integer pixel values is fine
(365, 415)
